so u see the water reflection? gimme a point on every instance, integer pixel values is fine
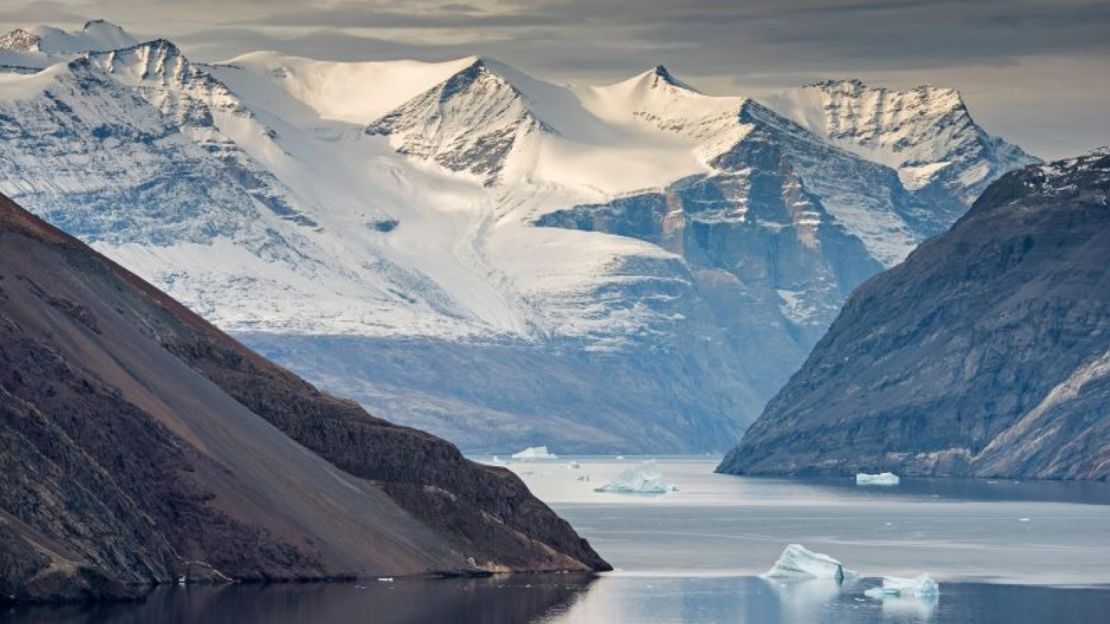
(692, 556)
(805, 600)
(753, 600)
(581, 599)
(511, 600)
(909, 609)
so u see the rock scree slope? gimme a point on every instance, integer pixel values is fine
(139, 445)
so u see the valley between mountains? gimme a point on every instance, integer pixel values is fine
(480, 253)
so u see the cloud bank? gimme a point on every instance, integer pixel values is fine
(1034, 71)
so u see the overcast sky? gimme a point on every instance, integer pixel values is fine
(1035, 72)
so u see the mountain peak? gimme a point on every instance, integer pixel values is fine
(660, 76)
(101, 24)
(471, 122)
(925, 133)
(20, 40)
(158, 58)
(1088, 172)
(94, 36)
(838, 83)
(498, 73)
(855, 88)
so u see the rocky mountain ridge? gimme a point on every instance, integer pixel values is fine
(984, 354)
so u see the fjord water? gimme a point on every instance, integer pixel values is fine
(1003, 551)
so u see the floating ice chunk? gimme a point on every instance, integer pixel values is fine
(883, 478)
(385, 579)
(896, 587)
(497, 460)
(799, 563)
(643, 479)
(534, 452)
(620, 457)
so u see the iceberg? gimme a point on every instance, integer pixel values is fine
(643, 479)
(534, 452)
(896, 587)
(883, 478)
(799, 563)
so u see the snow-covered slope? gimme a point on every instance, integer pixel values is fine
(39, 46)
(466, 248)
(926, 134)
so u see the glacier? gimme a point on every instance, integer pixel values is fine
(882, 478)
(799, 563)
(645, 478)
(464, 248)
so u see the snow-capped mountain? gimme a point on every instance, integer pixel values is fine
(926, 134)
(473, 122)
(481, 253)
(39, 46)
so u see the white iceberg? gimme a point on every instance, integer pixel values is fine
(883, 478)
(643, 479)
(799, 563)
(534, 452)
(896, 587)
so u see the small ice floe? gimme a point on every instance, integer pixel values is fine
(643, 479)
(497, 460)
(883, 478)
(896, 587)
(575, 465)
(1023, 519)
(799, 563)
(534, 452)
(385, 579)
(620, 457)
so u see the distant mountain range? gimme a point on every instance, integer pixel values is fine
(489, 256)
(986, 353)
(140, 445)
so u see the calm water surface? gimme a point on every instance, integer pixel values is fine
(1003, 551)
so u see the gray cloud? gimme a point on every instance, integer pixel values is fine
(1035, 69)
(39, 12)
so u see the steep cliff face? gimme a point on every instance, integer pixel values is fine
(139, 444)
(986, 353)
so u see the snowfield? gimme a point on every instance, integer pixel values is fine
(635, 266)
